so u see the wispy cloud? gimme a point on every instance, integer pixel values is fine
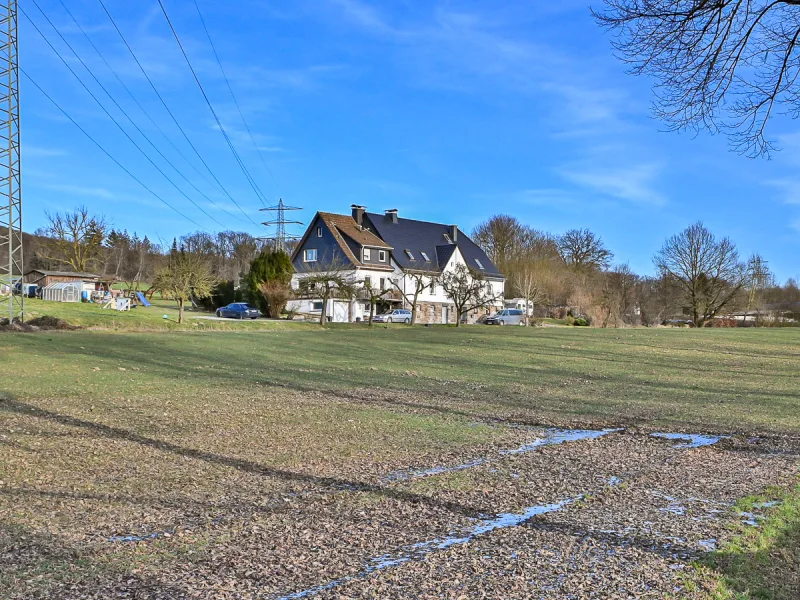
(40, 151)
(78, 190)
(789, 189)
(635, 183)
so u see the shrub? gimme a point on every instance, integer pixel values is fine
(276, 294)
(581, 322)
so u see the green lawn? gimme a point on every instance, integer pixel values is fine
(121, 432)
(140, 318)
(717, 380)
(761, 562)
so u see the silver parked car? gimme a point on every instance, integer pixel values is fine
(398, 315)
(507, 316)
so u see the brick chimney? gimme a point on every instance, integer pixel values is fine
(454, 233)
(358, 214)
(392, 214)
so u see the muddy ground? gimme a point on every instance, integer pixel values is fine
(549, 514)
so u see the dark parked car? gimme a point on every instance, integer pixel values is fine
(238, 310)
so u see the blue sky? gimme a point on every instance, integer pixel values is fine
(447, 110)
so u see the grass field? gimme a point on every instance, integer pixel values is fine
(140, 318)
(105, 433)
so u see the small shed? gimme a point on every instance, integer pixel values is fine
(89, 282)
(67, 291)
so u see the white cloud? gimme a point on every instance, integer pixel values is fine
(790, 189)
(40, 151)
(634, 183)
(78, 190)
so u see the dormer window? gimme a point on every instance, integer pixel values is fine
(409, 255)
(367, 255)
(381, 255)
(480, 266)
(425, 257)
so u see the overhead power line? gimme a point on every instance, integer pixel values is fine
(166, 106)
(233, 96)
(106, 152)
(246, 173)
(132, 122)
(110, 116)
(133, 97)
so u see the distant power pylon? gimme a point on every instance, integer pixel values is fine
(11, 306)
(280, 238)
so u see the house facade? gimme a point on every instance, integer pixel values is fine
(391, 254)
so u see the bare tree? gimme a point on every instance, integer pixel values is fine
(185, 276)
(719, 65)
(502, 237)
(708, 271)
(325, 279)
(468, 289)
(75, 239)
(583, 250)
(420, 280)
(374, 294)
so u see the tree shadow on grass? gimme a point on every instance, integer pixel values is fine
(336, 483)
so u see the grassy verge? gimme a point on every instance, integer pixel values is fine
(762, 562)
(161, 316)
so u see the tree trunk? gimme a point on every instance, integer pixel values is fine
(323, 313)
(414, 306)
(180, 310)
(371, 310)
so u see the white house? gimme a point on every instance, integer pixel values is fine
(393, 254)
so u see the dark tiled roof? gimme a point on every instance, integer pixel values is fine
(423, 236)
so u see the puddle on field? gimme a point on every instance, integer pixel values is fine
(419, 550)
(138, 538)
(691, 440)
(551, 437)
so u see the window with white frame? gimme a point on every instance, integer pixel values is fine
(383, 283)
(381, 255)
(367, 281)
(425, 257)
(447, 238)
(366, 254)
(433, 286)
(409, 255)
(310, 255)
(319, 231)
(478, 262)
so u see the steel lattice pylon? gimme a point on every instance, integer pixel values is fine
(281, 237)
(11, 306)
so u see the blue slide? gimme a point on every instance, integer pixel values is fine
(142, 299)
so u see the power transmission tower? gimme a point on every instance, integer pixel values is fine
(280, 238)
(11, 306)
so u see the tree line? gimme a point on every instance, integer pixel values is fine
(700, 279)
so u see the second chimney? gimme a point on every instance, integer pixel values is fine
(454, 233)
(358, 214)
(392, 214)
